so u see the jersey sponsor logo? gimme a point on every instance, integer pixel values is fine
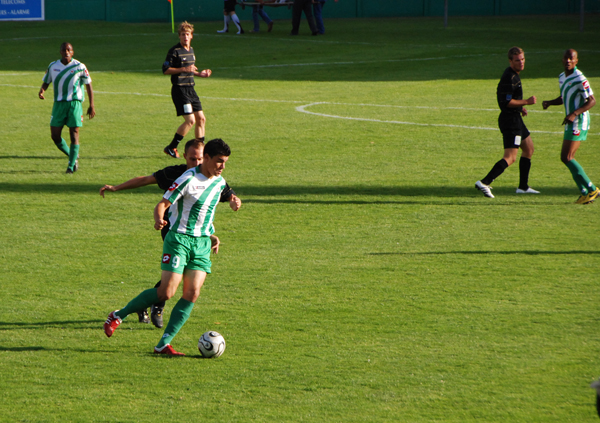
(576, 132)
(166, 258)
(87, 73)
(586, 85)
(200, 187)
(174, 186)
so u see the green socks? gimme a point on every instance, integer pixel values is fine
(62, 146)
(581, 179)
(179, 316)
(73, 155)
(141, 302)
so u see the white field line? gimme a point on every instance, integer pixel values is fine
(302, 109)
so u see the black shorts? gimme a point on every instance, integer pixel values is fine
(513, 130)
(186, 100)
(229, 6)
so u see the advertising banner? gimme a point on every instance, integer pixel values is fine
(21, 10)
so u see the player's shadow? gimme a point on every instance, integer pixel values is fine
(62, 324)
(486, 252)
(314, 194)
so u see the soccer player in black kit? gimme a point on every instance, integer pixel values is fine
(181, 65)
(514, 132)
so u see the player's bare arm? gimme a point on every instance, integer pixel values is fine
(137, 182)
(91, 111)
(235, 203)
(214, 244)
(589, 103)
(159, 212)
(558, 101)
(42, 90)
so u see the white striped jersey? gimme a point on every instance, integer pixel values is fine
(574, 90)
(68, 80)
(194, 199)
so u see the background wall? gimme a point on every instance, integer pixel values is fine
(211, 10)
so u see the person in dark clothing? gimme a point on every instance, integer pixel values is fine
(298, 7)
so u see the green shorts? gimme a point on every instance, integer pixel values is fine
(574, 134)
(67, 113)
(185, 252)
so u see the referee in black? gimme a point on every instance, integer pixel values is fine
(181, 65)
(514, 132)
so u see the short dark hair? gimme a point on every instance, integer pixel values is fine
(217, 147)
(514, 51)
(195, 143)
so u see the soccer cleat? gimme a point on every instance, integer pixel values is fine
(69, 171)
(581, 199)
(529, 190)
(223, 31)
(143, 316)
(111, 323)
(591, 196)
(486, 189)
(156, 316)
(76, 167)
(167, 350)
(241, 31)
(270, 28)
(171, 152)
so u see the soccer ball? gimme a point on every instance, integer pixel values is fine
(211, 344)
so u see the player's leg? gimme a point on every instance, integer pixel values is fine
(196, 269)
(511, 145)
(583, 182)
(226, 20)
(56, 135)
(74, 122)
(527, 150)
(237, 22)
(192, 282)
(200, 124)
(57, 121)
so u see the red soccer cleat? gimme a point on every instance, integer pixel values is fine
(168, 350)
(111, 323)
(171, 152)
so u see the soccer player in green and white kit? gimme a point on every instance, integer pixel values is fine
(186, 250)
(578, 98)
(68, 75)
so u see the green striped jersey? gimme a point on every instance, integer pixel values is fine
(575, 90)
(68, 80)
(194, 199)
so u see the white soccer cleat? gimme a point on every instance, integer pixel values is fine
(486, 189)
(529, 190)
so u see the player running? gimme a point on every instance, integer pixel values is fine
(578, 98)
(68, 76)
(186, 251)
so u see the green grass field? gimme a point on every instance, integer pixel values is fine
(364, 279)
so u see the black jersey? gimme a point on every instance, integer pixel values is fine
(178, 57)
(509, 88)
(165, 178)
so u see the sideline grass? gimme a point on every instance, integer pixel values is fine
(364, 278)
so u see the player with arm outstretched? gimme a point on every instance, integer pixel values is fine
(187, 246)
(164, 178)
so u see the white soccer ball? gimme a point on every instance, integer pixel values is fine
(211, 344)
